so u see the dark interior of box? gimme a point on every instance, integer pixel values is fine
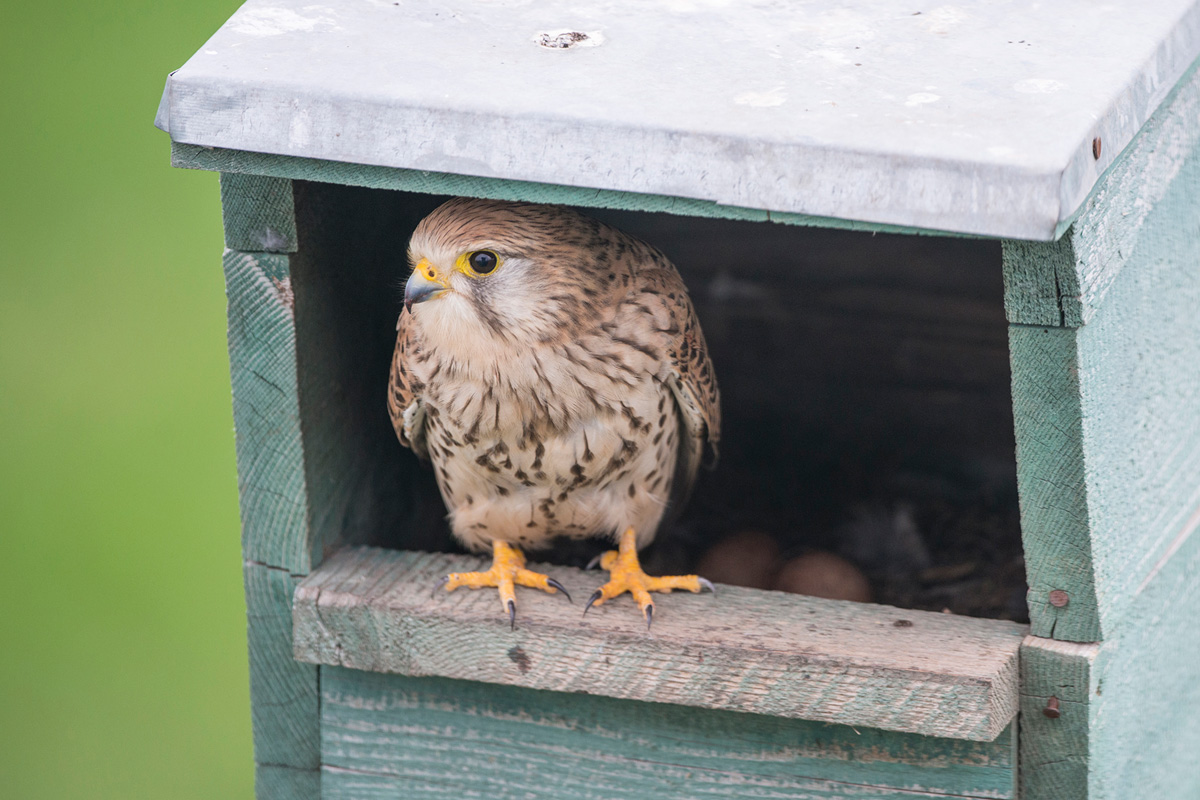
(865, 397)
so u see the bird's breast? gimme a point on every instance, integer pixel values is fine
(529, 480)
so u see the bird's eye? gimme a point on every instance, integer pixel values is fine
(483, 262)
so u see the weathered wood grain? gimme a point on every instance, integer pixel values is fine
(396, 736)
(286, 783)
(1127, 724)
(767, 653)
(1050, 472)
(259, 213)
(1139, 375)
(283, 692)
(1034, 274)
(266, 412)
(1145, 730)
(1108, 426)
(1065, 282)
(1054, 755)
(276, 541)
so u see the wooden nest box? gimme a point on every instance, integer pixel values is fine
(952, 229)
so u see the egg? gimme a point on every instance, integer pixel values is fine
(746, 558)
(822, 574)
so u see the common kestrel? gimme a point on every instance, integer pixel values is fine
(553, 370)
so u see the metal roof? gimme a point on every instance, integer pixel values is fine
(972, 117)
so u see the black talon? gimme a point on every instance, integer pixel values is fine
(596, 596)
(512, 615)
(559, 586)
(649, 615)
(445, 579)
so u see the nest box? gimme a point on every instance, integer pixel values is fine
(975, 227)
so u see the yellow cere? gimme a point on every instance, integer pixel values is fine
(430, 273)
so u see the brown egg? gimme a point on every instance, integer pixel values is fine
(823, 574)
(747, 558)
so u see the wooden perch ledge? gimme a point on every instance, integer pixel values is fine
(742, 649)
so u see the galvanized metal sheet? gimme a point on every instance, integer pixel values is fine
(973, 117)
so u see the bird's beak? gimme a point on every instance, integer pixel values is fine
(425, 283)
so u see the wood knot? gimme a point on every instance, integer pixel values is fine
(520, 658)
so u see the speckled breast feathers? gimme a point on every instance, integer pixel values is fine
(559, 383)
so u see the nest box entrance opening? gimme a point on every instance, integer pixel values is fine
(865, 396)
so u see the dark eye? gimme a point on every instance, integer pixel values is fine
(484, 262)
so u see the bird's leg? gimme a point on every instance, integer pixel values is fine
(625, 575)
(507, 572)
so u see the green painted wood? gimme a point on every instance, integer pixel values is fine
(266, 413)
(1139, 372)
(258, 212)
(1054, 750)
(283, 692)
(1108, 425)
(275, 529)
(285, 783)
(1145, 725)
(1127, 724)
(1034, 274)
(394, 736)
(745, 650)
(308, 169)
(1050, 474)
(1065, 283)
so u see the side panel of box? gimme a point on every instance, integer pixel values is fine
(393, 736)
(1109, 452)
(1145, 729)
(1118, 720)
(1105, 348)
(276, 538)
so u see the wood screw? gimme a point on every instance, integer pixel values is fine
(1051, 709)
(1059, 598)
(1096, 148)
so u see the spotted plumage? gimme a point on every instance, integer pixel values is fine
(567, 392)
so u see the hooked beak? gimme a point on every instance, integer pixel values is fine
(424, 284)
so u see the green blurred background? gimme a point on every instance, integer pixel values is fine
(123, 659)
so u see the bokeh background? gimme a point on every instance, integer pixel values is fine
(122, 626)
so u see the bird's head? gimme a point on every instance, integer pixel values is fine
(490, 271)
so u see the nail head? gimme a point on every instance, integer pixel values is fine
(1059, 598)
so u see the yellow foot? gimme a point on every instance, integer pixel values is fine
(625, 575)
(508, 570)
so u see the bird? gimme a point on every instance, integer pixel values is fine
(552, 370)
